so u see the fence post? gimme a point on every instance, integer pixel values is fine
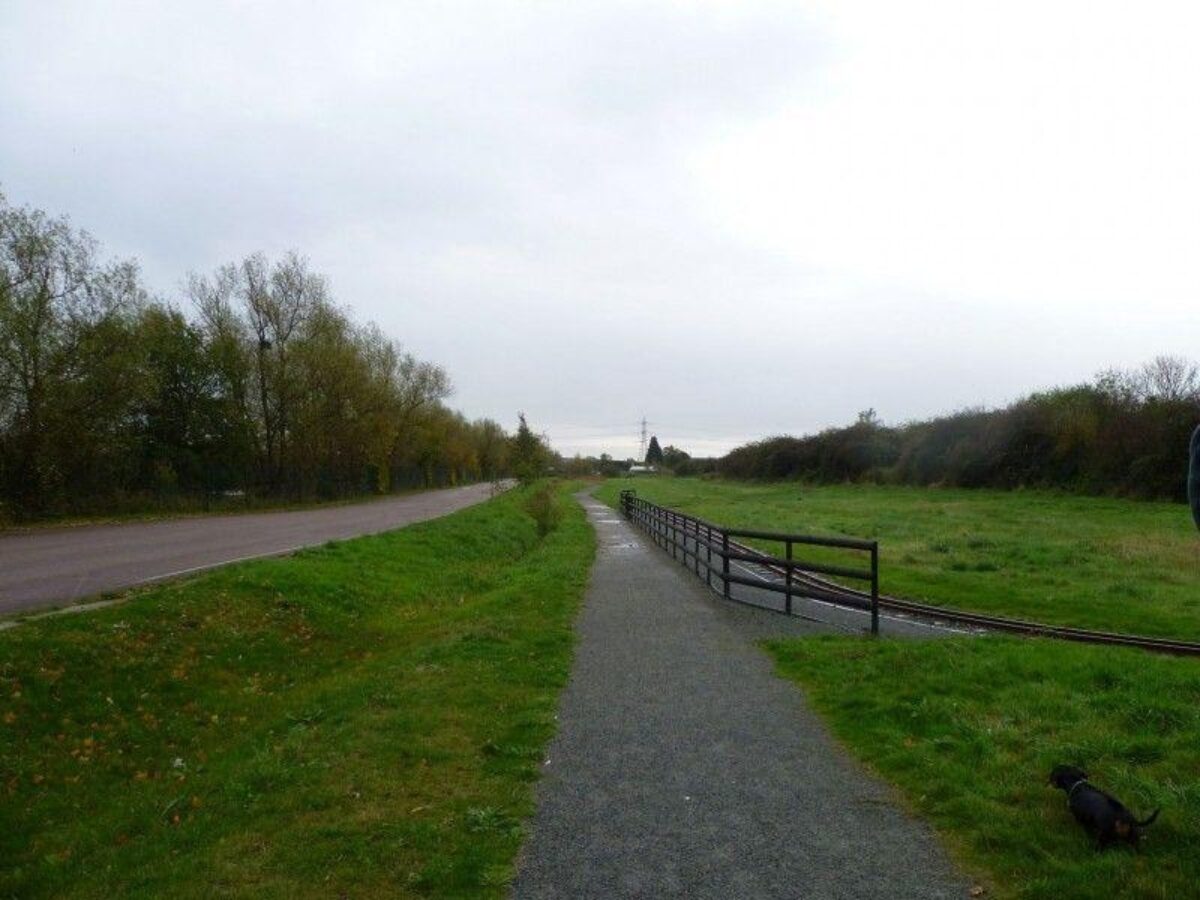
(787, 580)
(875, 588)
(725, 560)
(696, 548)
(708, 570)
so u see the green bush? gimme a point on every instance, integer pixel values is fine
(1089, 438)
(543, 506)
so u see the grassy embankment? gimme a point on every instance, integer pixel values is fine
(1102, 563)
(365, 719)
(969, 729)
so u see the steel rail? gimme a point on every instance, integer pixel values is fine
(926, 611)
(719, 543)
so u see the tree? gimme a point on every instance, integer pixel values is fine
(492, 448)
(181, 425)
(868, 418)
(1171, 378)
(654, 454)
(417, 389)
(529, 453)
(279, 300)
(65, 357)
(674, 458)
(108, 396)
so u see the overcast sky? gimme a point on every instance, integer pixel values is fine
(735, 219)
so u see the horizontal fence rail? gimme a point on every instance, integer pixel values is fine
(680, 533)
(714, 551)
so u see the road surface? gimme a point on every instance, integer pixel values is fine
(684, 767)
(62, 565)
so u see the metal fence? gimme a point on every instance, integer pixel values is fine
(716, 550)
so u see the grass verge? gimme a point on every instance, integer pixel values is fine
(1112, 564)
(366, 718)
(970, 728)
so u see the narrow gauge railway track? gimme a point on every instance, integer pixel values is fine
(699, 534)
(831, 592)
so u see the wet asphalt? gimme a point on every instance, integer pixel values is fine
(683, 767)
(57, 566)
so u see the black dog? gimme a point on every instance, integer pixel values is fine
(1101, 814)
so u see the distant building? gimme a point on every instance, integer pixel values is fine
(642, 470)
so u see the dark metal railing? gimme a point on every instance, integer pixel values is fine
(685, 536)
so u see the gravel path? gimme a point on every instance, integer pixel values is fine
(684, 768)
(60, 565)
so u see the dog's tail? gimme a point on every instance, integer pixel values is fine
(1149, 821)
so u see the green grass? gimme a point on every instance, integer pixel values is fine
(970, 728)
(364, 719)
(1102, 563)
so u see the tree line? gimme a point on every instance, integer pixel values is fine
(1125, 433)
(111, 399)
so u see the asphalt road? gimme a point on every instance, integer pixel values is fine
(63, 565)
(683, 767)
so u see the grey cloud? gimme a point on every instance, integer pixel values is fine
(504, 187)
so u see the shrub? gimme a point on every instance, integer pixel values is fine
(1097, 438)
(543, 507)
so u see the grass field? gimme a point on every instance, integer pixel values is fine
(970, 728)
(1102, 563)
(363, 719)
